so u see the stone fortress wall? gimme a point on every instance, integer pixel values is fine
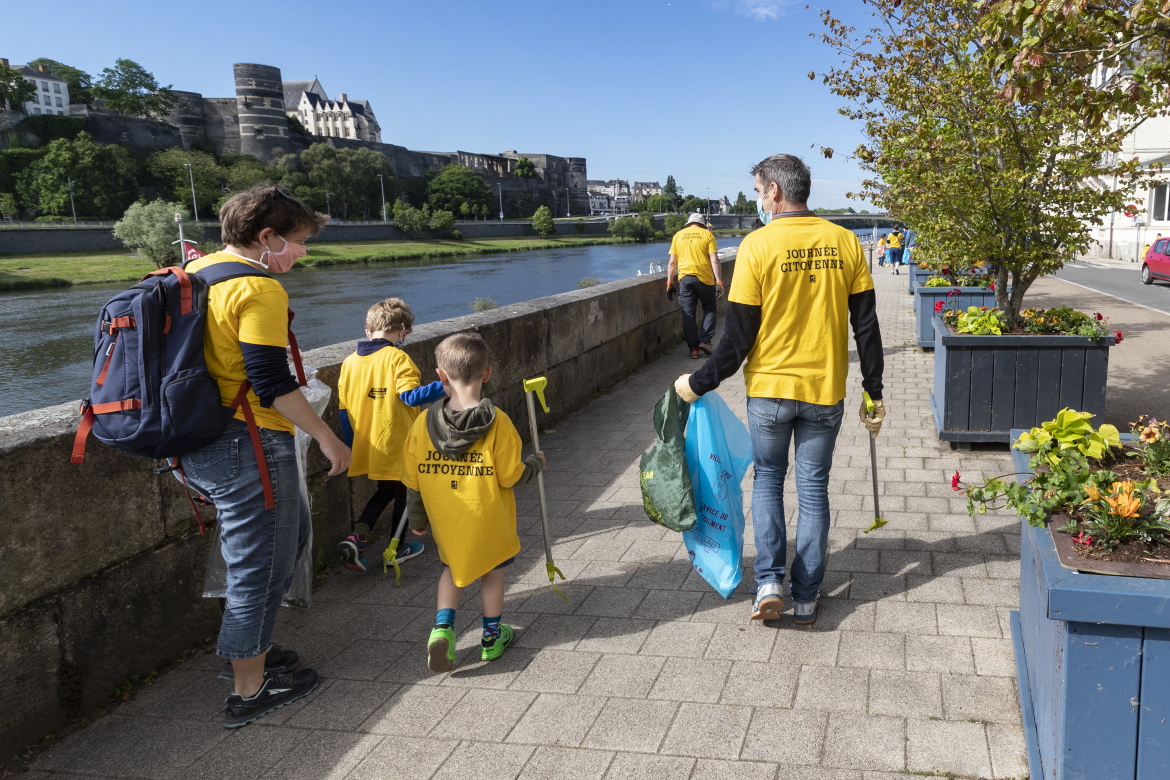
(254, 122)
(101, 565)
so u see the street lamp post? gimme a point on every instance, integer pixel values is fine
(194, 205)
(382, 184)
(568, 203)
(500, 188)
(327, 211)
(72, 205)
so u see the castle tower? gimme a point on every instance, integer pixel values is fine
(187, 115)
(260, 106)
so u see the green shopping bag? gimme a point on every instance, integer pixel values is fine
(664, 478)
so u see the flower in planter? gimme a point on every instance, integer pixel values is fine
(955, 481)
(1123, 503)
(938, 306)
(1150, 433)
(1083, 538)
(1119, 337)
(1098, 316)
(1153, 445)
(991, 286)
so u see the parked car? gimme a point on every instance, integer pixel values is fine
(1156, 263)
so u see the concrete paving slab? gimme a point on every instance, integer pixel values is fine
(631, 725)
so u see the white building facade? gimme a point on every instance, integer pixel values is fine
(641, 190)
(340, 118)
(52, 96)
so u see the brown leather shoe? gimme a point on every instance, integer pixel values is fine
(705, 349)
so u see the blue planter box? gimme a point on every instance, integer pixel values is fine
(1093, 666)
(984, 386)
(916, 276)
(926, 297)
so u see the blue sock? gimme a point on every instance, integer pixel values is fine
(445, 617)
(491, 627)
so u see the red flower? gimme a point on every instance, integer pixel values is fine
(1083, 538)
(938, 306)
(1119, 336)
(1098, 316)
(955, 481)
(992, 287)
(955, 291)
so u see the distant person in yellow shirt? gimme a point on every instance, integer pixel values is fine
(895, 250)
(694, 262)
(378, 396)
(799, 282)
(462, 462)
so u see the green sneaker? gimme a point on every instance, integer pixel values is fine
(441, 650)
(498, 645)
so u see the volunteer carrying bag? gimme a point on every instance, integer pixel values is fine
(718, 453)
(665, 482)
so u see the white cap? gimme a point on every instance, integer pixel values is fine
(696, 217)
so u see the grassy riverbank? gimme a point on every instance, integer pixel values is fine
(26, 272)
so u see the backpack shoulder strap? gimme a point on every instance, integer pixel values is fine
(225, 270)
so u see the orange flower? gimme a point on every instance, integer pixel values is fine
(1124, 503)
(1092, 493)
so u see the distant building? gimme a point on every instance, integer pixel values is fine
(52, 95)
(617, 196)
(719, 205)
(641, 190)
(340, 118)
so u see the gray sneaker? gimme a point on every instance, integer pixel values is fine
(768, 603)
(804, 613)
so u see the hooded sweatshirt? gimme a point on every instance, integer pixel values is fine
(460, 469)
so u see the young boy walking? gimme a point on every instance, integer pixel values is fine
(462, 462)
(378, 394)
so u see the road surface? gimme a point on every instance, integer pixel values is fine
(1120, 282)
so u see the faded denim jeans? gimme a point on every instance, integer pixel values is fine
(774, 423)
(259, 545)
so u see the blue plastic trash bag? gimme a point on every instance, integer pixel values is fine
(719, 451)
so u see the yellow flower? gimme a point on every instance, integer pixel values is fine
(1093, 494)
(1150, 434)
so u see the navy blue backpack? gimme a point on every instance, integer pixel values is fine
(152, 394)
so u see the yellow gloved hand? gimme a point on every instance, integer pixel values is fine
(873, 424)
(682, 386)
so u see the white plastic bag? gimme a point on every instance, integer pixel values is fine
(719, 451)
(300, 593)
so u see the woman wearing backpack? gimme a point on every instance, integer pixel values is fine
(262, 518)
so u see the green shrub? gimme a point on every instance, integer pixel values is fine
(542, 222)
(483, 304)
(673, 224)
(588, 281)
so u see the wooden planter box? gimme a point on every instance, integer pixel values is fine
(984, 386)
(926, 297)
(916, 276)
(1093, 665)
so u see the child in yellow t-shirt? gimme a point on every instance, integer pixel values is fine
(378, 397)
(462, 462)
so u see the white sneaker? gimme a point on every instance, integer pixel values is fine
(804, 613)
(769, 602)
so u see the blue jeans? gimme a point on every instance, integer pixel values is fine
(691, 293)
(894, 254)
(772, 423)
(259, 545)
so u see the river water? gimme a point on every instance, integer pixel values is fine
(47, 350)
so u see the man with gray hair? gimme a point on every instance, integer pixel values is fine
(797, 281)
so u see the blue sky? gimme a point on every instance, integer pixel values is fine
(700, 89)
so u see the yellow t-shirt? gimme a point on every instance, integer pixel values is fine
(368, 389)
(692, 246)
(469, 501)
(895, 240)
(254, 310)
(801, 272)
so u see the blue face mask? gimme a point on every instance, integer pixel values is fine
(765, 215)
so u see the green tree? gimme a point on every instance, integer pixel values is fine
(295, 127)
(743, 206)
(442, 221)
(170, 166)
(103, 180)
(8, 207)
(672, 191)
(633, 228)
(466, 209)
(660, 203)
(408, 219)
(150, 228)
(80, 83)
(542, 222)
(455, 184)
(673, 224)
(693, 203)
(980, 178)
(525, 168)
(130, 88)
(350, 176)
(14, 90)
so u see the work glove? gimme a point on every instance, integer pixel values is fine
(670, 291)
(718, 290)
(872, 424)
(682, 386)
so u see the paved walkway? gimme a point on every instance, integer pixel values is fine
(646, 673)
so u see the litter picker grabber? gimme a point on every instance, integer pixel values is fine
(536, 387)
(878, 522)
(390, 555)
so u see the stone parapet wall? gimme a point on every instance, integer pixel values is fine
(101, 565)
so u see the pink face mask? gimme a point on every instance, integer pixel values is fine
(279, 262)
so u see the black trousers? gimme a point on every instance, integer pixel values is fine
(389, 490)
(691, 293)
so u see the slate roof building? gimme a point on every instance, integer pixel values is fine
(340, 118)
(52, 95)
